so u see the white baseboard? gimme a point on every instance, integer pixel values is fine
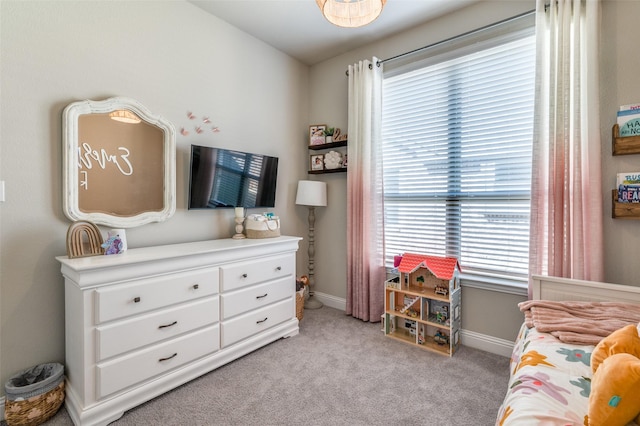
(486, 343)
(331, 301)
(472, 339)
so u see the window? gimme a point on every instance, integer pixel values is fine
(457, 130)
(237, 179)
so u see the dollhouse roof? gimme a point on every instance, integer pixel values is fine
(442, 267)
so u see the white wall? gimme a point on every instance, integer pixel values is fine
(619, 85)
(488, 312)
(172, 58)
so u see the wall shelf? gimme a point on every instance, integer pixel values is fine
(328, 145)
(323, 147)
(623, 210)
(624, 145)
(321, 172)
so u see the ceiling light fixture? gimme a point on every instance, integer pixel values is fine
(124, 116)
(351, 13)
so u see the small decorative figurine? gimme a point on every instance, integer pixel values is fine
(302, 282)
(114, 243)
(441, 338)
(332, 160)
(441, 290)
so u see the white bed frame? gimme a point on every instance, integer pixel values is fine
(553, 288)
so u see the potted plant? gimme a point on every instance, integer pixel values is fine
(328, 134)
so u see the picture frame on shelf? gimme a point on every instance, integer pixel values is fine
(316, 162)
(316, 134)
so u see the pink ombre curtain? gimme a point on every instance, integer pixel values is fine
(365, 265)
(566, 198)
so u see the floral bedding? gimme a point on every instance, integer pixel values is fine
(550, 382)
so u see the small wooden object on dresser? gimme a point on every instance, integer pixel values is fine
(84, 239)
(146, 321)
(422, 304)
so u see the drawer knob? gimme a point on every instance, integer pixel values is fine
(168, 325)
(168, 358)
(136, 300)
(196, 286)
(262, 297)
(279, 268)
(260, 322)
(244, 275)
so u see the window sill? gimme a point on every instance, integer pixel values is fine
(485, 282)
(502, 285)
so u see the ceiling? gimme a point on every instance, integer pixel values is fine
(297, 27)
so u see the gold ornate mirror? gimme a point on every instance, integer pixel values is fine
(119, 163)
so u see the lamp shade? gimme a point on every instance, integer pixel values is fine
(351, 13)
(311, 193)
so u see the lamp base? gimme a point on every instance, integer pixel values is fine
(239, 235)
(312, 303)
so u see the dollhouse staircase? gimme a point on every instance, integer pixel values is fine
(409, 304)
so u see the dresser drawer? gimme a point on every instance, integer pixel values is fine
(126, 335)
(144, 295)
(243, 274)
(257, 296)
(145, 364)
(256, 321)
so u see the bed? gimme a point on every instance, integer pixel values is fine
(550, 379)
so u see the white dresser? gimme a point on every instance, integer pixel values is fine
(143, 322)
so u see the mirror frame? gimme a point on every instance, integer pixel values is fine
(71, 171)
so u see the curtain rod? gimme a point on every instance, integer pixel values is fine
(438, 43)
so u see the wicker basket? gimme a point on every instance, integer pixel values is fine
(34, 403)
(257, 226)
(300, 304)
(268, 233)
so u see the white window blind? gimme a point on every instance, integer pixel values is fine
(237, 178)
(457, 136)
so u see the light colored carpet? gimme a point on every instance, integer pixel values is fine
(337, 371)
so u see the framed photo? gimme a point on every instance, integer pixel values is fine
(317, 162)
(316, 134)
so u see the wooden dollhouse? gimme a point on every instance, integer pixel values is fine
(422, 304)
(442, 274)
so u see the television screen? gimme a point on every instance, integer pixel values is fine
(225, 178)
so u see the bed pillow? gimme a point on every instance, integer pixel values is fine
(625, 340)
(615, 391)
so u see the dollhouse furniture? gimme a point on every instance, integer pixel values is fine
(143, 322)
(422, 304)
(551, 380)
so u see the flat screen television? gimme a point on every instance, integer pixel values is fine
(221, 178)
